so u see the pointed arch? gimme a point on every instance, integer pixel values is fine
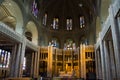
(31, 27)
(15, 14)
(54, 42)
(69, 43)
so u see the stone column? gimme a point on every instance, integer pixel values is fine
(102, 60)
(107, 62)
(22, 54)
(116, 40)
(17, 61)
(36, 62)
(97, 63)
(112, 60)
(12, 59)
(38, 56)
(32, 64)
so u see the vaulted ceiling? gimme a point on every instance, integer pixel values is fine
(69, 7)
(63, 9)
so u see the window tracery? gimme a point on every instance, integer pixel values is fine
(45, 19)
(4, 58)
(69, 44)
(54, 42)
(69, 24)
(82, 22)
(55, 23)
(35, 8)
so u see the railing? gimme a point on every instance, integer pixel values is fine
(4, 29)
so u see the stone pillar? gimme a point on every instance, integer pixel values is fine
(102, 59)
(36, 64)
(22, 54)
(35, 60)
(12, 60)
(32, 64)
(107, 62)
(38, 57)
(97, 63)
(116, 40)
(17, 61)
(112, 60)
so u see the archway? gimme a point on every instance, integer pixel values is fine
(15, 14)
(31, 27)
(55, 42)
(69, 44)
(28, 35)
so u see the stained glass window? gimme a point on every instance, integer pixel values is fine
(24, 63)
(35, 8)
(69, 44)
(45, 19)
(82, 22)
(54, 42)
(4, 58)
(55, 23)
(69, 24)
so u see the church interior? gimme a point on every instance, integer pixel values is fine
(59, 40)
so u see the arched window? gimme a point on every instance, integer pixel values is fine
(69, 44)
(82, 22)
(54, 42)
(28, 35)
(69, 24)
(35, 8)
(4, 58)
(24, 63)
(55, 23)
(45, 19)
